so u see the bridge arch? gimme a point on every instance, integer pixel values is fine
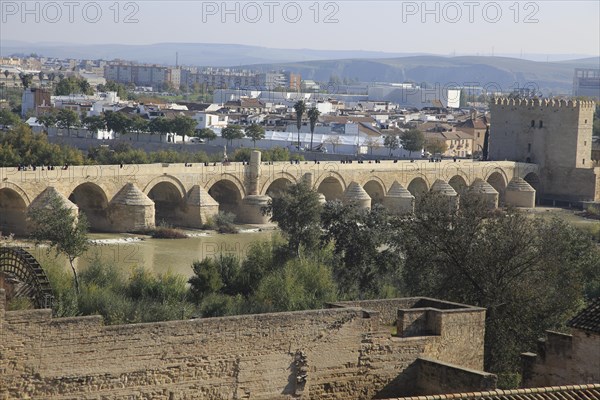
(418, 186)
(458, 183)
(13, 211)
(228, 193)
(278, 186)
(166, 178)
(331, 186)
(93, 202)
(273, 183)
(535, 182)
(498, 181)
(375, 188)
(168, 202)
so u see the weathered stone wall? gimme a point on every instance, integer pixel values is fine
(435, 377)
(347, 355)
(563, 359)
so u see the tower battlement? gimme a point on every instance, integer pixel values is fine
(549, 103)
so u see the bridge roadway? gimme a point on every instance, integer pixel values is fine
(130, 197)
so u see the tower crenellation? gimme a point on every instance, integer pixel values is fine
(553, 103)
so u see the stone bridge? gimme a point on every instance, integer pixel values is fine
(134, 197)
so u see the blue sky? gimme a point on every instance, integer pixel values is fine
(461, 27)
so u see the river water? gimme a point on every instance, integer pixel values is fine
(159, 255)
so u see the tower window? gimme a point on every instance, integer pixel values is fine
(541, 124)
(585, 122)
(533, 123)
(584, 161)
(529, 147)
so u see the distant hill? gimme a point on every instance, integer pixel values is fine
(505, 72)
(554, 77)
(201, 54)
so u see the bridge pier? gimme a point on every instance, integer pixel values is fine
(199, 207)
(519, 193)
(250, 211)
(398, 200)
(44, 200)
(486, 192)
(131, 210)
(355, 194)
(439, 186)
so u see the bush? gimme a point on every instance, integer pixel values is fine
(224, 222)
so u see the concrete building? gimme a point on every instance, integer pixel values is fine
(586, 83)
(33, 98)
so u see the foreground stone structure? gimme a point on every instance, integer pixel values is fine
(345, 352)
(135, 197)
(563, 359)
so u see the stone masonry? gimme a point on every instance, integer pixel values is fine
(345, 352)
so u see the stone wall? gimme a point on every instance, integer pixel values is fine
(435, 377)
(563, 359)
(345, 355)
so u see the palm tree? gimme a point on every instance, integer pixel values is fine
(300, 108)
(313, 116)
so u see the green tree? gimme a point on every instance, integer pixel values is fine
(530, 274)
(391, 142)
(160, 125)
(302, 284)
(300, 108)
(8, 118)
(313, 117)
(255, 132)
(297, 212)
(6, 74)
(26, 79)
(65, 232)
(139, 125)
(435, 146)
(486, 144)
(207, 134)
(94, 123)
(412, 140)
(48, 119)
(118, 122)
(72, 85)
(367, 266)
(231, 132)
(67, 119)
(183, 125)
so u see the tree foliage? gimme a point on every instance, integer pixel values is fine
(255, 132)
(73, 85)
(391, 142)
(64, 231)
(297, 212)
(435, 146)
(528, 273)
(232, 132)
(412, 140)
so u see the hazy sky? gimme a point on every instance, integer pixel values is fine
(461, 27)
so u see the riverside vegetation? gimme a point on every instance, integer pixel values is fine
(531, 274)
